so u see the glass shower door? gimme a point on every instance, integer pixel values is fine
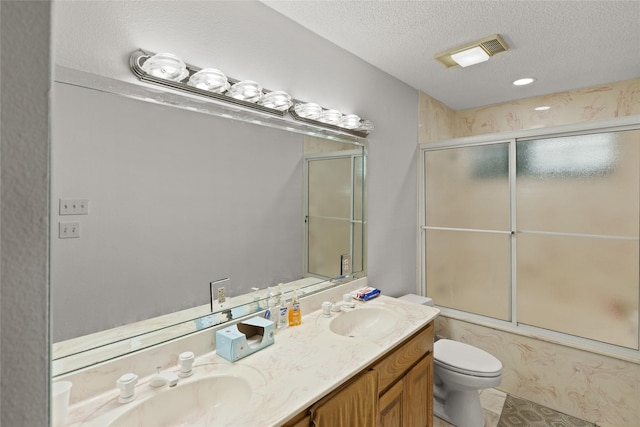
(334, 217)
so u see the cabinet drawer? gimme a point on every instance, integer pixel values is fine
(396, 364)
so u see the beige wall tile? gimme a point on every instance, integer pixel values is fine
(589, 386)
(584, 105)
(436, 121)
(586, 385)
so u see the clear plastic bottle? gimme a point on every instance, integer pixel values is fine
(295, 314)
(272, 312)
(283, 313)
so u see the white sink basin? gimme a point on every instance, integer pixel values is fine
(365, 322)
(213, 400)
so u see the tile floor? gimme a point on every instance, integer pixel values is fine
(517, 413)
(492, 401)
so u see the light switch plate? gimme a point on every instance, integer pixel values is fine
(69, 230)
(345, 264)
(74, 207)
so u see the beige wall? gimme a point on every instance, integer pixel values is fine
(593, 387)
(583, 105)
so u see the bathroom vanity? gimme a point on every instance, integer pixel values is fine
(373, 359)
(405, 384)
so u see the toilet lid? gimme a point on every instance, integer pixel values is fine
(466, 359)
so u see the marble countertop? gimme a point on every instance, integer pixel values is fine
(306, 363)
(87, 350)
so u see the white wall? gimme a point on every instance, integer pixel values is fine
(24, 159)
(284, 56)
(177, 199)
(248, 40)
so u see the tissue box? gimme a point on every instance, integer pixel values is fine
(244, 338)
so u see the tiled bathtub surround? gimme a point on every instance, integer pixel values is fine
(438, 122)
(583, 105)
(592, 387)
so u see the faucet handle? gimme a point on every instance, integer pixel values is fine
(127, 385)
(185, 360)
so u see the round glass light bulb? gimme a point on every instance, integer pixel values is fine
(331, 117)
(246, 90)
(278, 100)
(349, 121)
(209, 79)
(166, 66)
(309, 110)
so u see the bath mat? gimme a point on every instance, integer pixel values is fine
(522, 413)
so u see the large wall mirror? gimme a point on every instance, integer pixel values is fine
(175, 199)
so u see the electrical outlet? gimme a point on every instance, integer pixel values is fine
(221, 297)
(345, 264)
(68, 230)
(74, 207)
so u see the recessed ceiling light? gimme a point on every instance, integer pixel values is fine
(542, 108)
(525, 81)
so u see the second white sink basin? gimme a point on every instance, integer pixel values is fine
(365, 322)
(213, 400)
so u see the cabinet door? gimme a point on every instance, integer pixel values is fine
(355, 404)
(418, 394)
(392, 406)
(305, 422)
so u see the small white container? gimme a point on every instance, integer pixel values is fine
(60, 392)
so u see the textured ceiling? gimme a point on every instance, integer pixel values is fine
(563, 44)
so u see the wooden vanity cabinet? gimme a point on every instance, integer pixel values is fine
(405, 385)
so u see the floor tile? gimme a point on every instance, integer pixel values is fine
(519, 412)
(492, 400)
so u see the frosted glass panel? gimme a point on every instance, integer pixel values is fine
(581, 286)
(587, 184)
(468, 187)
(358, 188)
(328, 239)
(469, 271)
(359, 248)
(331, 183)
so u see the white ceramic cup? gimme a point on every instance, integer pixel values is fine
(60, 392)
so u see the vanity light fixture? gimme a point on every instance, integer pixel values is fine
(473, 52)
(169, 71)
(542, 108)
(524, 81)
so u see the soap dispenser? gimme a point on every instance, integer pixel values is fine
(283, 314)
(295, 314)
(271, 312)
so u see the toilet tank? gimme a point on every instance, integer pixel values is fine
(417, 299)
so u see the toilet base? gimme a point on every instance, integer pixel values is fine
(460, 408)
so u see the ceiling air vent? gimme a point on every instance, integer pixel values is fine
(491, 44)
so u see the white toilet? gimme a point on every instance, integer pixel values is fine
(460, 372)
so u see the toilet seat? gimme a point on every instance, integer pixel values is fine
(465, 359)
